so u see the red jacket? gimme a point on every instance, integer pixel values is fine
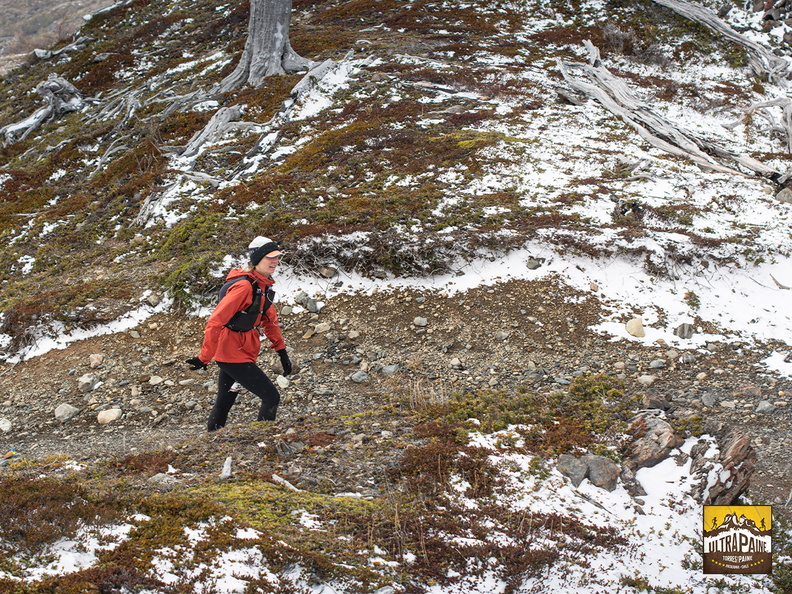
(227, 346)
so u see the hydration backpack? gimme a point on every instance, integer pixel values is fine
(245, 320)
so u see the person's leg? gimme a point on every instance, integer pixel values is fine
(223, 403)
(257, 382)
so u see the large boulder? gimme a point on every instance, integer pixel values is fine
(653, 440)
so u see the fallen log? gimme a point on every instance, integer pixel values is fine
(61, 97)
(615, 96)
(762, 61)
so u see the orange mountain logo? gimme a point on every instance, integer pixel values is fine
(738, 539)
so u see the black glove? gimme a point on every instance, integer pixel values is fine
(285, 362)
(195, 363)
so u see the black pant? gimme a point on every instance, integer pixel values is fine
(251, 378)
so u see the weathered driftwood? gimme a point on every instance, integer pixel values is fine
(270, 134)
(780, 128)
(61, 98)
(217, 125)
(79, 44)
(762, 60)
(616, 97)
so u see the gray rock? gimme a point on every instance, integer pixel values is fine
(657, 364)
(573, 468)
(785, 196)
(328, 271)
(420, 322)
(87, 382)
(66, 412)
(709, 399)
(765, 407)
(653, 440)
(687, 358)
(312, 305)
(655, 401)
(533, 263)
(602, 472)
(501, 335)
(5, 425)
(390, 370)
(360, 377)
(684, 331)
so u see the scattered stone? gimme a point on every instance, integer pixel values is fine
(155, 380)
(657, 364)
(501, 335)
(533, 263)
(688, 358)
(653, 440)
(282, 382)
(602, 472)
(390, 370)
(87, 382)
(785, 196)
(5, 425)
(66, 412)
(164, 480)
(95, 360)
(134, 334)
(322, 328)
(108, 416)
(647, 380)
(764, 407)
(328, 271)
(709, 399)
(655, 401)
(572, 467)
(635, 328)
(360, 377)
(420, 322)
(684, 331)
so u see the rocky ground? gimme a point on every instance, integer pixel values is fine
(533, 333)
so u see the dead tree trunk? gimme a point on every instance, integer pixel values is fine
(267, 51)
(615, 96)
(61, 96)
(763, 61)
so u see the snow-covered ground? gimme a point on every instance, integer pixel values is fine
(746, 301)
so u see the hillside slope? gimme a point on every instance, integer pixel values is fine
(478, 235)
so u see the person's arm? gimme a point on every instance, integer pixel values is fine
(238, 297)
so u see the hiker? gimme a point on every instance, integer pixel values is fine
(232, 336)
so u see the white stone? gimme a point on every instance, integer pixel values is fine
(155, 380)
(108, 416)
(282, 382)
(322, 327)
(635, 328)
(421, 322)
(5, 425)
(647, 380)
